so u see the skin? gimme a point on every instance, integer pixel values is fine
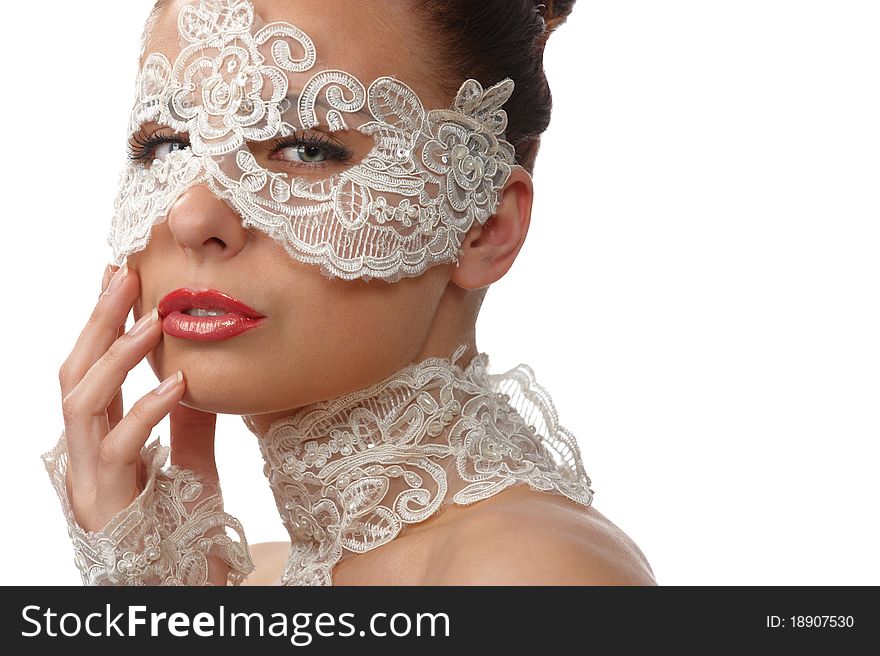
(304, 352)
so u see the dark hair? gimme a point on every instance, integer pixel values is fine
(490, 40)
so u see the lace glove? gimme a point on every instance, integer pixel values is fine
(166, 536)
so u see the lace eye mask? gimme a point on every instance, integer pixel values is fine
(394, 211)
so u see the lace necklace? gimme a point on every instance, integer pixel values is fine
(348, 473)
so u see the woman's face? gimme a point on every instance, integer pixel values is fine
(322, 337)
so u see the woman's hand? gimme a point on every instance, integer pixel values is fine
(105, 471)
(130, 521)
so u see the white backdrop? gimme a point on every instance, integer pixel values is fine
(698, 290)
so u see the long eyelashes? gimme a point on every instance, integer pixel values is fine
(333, 149)
(141, 147)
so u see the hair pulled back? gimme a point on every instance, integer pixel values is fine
(490, 40)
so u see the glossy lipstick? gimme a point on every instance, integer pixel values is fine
(236, 318)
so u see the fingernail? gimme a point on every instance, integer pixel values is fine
(118, 277)
(144, 322)
(169, 383)
(106, 279)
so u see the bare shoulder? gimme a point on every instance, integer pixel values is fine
(524, 537)
(269, 559)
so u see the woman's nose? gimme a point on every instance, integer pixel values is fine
(205, 226)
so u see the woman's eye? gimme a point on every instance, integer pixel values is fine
(303, 153)
(161, 151)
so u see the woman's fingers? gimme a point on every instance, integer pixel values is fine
(115, 409)
(119, 452)
(85, 407)
(109, 270)
(101, 329)
(97, 388)
(84, 432)
(192, 440)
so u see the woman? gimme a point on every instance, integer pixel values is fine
(317, 198)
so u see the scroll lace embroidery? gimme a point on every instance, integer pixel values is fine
(347, 474)
(403, 208)
(164, 537)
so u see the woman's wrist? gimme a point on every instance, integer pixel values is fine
(172, 533)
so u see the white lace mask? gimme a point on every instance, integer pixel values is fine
(398, 209)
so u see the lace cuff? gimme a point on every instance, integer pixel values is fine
(164, 537)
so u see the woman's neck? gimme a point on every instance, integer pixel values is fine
(348, 473)
(259, 423)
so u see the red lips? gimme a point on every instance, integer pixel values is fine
(237, 318)
(209, 299)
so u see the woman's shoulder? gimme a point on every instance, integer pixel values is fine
(269, 559)
(519, 536)
(523, 536)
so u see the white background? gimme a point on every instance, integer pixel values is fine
(698, 290)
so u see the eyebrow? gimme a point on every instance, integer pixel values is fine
(322, 103)
(293, 97)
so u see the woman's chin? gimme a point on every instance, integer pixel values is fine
(226, 401)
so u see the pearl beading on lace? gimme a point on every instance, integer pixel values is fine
(405, 206)
(349, 473)
(164, 537)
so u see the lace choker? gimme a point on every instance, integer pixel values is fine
(348, 473)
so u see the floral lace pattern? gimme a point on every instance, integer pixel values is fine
(347, 474)
(405, 206)
(164, 537)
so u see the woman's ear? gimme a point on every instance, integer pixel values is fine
(488, 250)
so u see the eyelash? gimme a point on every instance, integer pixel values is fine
(335, 151)
(141, 147)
